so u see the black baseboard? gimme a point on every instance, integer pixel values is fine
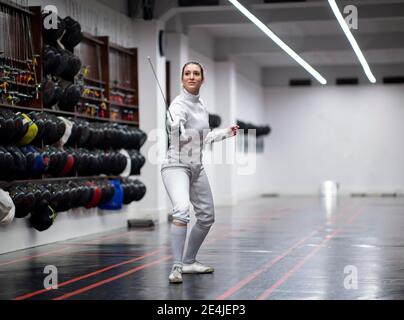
(140, 223)
(283, 1)
(374, 195)
(270, 195)
(393, 80)
(299, 82)
(190, 3)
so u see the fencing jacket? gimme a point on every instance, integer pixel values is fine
(189, 131)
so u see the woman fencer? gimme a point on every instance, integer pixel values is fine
(183, 173)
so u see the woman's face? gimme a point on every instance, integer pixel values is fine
(192, 78)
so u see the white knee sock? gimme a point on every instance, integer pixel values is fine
(178, 236)
(198, 234)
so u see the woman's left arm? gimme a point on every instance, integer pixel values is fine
(221, 134)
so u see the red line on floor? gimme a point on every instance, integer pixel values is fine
(87, 242)
(29, 295)
(265, 267)
(112, 255)
(222, 236)
(268, 265)
(250, 223)
(118, 276)
(269, 291)
(35, 293)
(264, 218)
(33, 256)
(113, 236)
(62, 249)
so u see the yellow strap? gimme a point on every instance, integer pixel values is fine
(86, 70)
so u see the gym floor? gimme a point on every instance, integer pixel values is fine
(266, 248)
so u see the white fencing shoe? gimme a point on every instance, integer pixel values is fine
(175, 275)
(196, 267)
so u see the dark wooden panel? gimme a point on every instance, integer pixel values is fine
(123, 72)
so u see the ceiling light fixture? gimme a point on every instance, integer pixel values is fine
(278, 41)
(352, 41)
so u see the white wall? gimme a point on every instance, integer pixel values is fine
(97, 19)
(352, 135)
(151, 117)
(201, 42)
(71, 224)
(177, 55)
(208, 89)
(208, 95)
(240, 90)
(223, 152)
(201, 50)
(196, 46)
(246, 102)
(249, 108)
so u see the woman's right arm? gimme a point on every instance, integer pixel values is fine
(176, 121)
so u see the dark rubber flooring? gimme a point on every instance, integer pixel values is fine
(266, 248)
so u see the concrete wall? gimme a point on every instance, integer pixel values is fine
(250, 107)
(352, 135)
(232, 90)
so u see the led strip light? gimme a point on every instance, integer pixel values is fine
(278, 41)
(352, 41)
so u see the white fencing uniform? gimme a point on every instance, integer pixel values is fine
(183, 174)
(185, 178)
